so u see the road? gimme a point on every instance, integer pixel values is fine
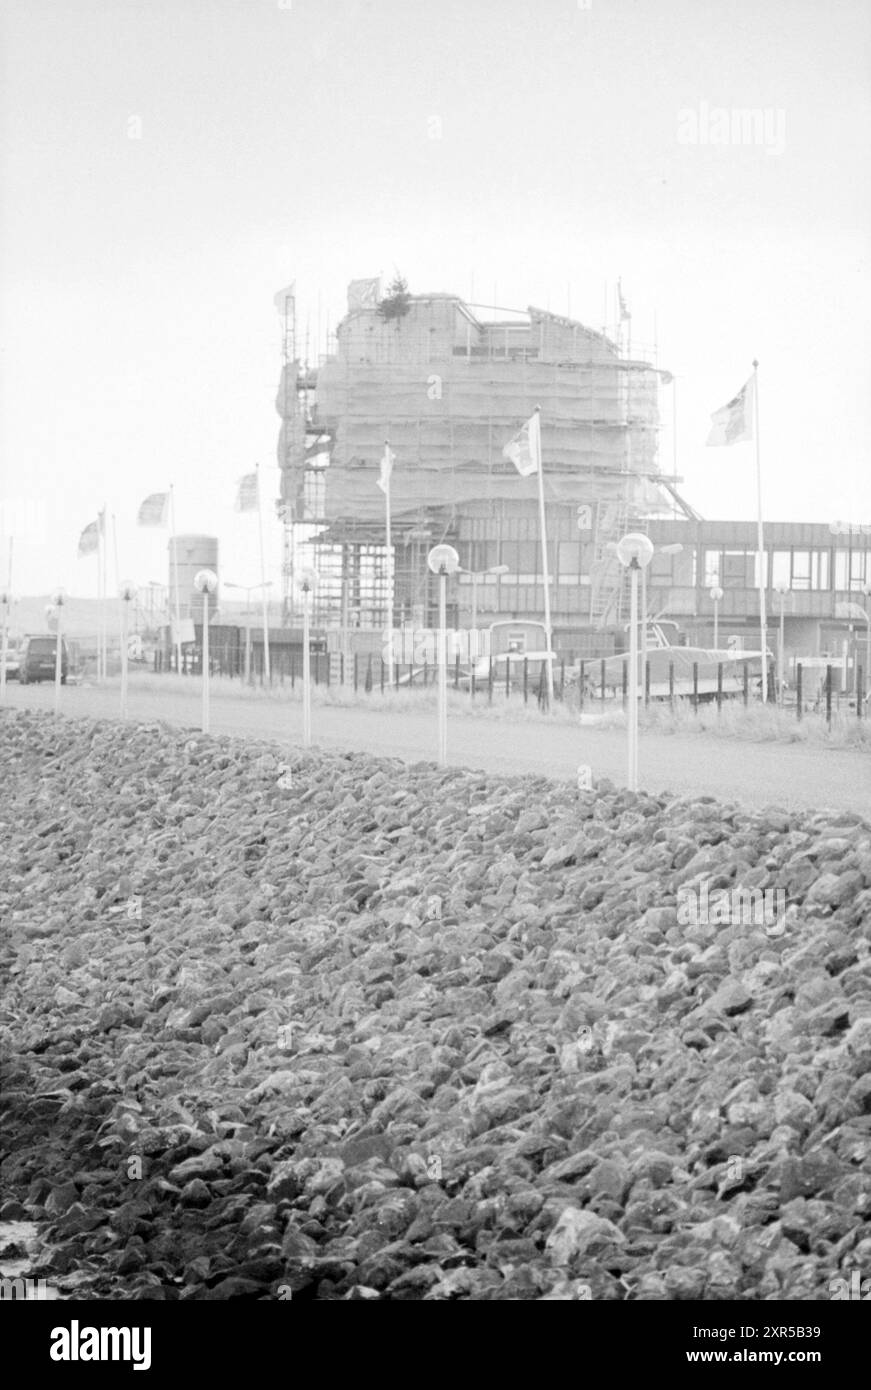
(753, 774)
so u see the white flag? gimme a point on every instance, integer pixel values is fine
(89, 540)
(154, 510)
(733, 424)
(387, 462)
(247, 498)
(524, 450)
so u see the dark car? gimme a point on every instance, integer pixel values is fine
(37, 660)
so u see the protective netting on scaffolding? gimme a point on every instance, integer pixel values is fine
(449, 392)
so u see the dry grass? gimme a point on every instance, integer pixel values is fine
(756, 724)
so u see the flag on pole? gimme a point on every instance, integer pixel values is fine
(734, 423)
(387, 462)
(524, 450)
(248, 497)
(284, 297)
(89, 540)
(624, 312)
(154, 510)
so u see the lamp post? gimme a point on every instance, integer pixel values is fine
(127, 592)
(6, 605)
(866, 590)
(443, 560)
(782, 588)
(716, 594)
(205, 583)
(674, 548)
(309, 580)
(54, 610)
(634, 551)
(248, 590)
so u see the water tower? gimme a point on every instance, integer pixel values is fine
(193, 553)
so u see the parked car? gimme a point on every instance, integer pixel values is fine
(12, 664)
(37, 659)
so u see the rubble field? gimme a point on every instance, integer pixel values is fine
(321, 1026)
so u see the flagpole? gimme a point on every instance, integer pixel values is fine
(263, 595)
(101, 546)
(174, 548)
(544, 566)
(760, 536)
(105, 596)
(115, 549)
(389, 546)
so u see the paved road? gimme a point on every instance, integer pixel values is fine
(754, 774)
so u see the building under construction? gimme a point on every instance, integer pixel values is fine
(449, 386)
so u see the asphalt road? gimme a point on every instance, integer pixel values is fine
(753, 774)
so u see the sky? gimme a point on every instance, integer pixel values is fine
(167, 165)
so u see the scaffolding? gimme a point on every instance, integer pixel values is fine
(449, 389)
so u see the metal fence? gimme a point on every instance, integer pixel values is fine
(582, 685)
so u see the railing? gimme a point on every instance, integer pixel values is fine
(582, 684)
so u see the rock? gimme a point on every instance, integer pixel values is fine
(408, 1033)
(579, 1233)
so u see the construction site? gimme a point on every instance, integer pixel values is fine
(448, 384)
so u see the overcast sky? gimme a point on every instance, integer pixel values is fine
(167, 165)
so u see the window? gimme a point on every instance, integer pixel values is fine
(738, 569)
(801, 569)
(852, 569)
(820, 574)
(713, 567)
(780, 567)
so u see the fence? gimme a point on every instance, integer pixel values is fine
(582, 684)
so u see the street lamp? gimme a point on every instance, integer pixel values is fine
(782, 588)
(205, 583)
(443, 560)
(54, 610)
(674, 548)
(127, 592)
(634, 551)
(866, 590)
(475, 575)
(716, 594)
(310, 578)
(6, 602)
(248, 590)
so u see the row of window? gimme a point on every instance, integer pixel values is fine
(801, 570)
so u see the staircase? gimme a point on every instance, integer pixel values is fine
(610, 582)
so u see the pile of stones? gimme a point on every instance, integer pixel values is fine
(314, 1026)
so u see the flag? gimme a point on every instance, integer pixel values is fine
(363, 294)
(524, 450)
(624, 312)
(387, 462)
(734, 423)
(89, 540)
(154, 510)
(284, 297)
(248, 496)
